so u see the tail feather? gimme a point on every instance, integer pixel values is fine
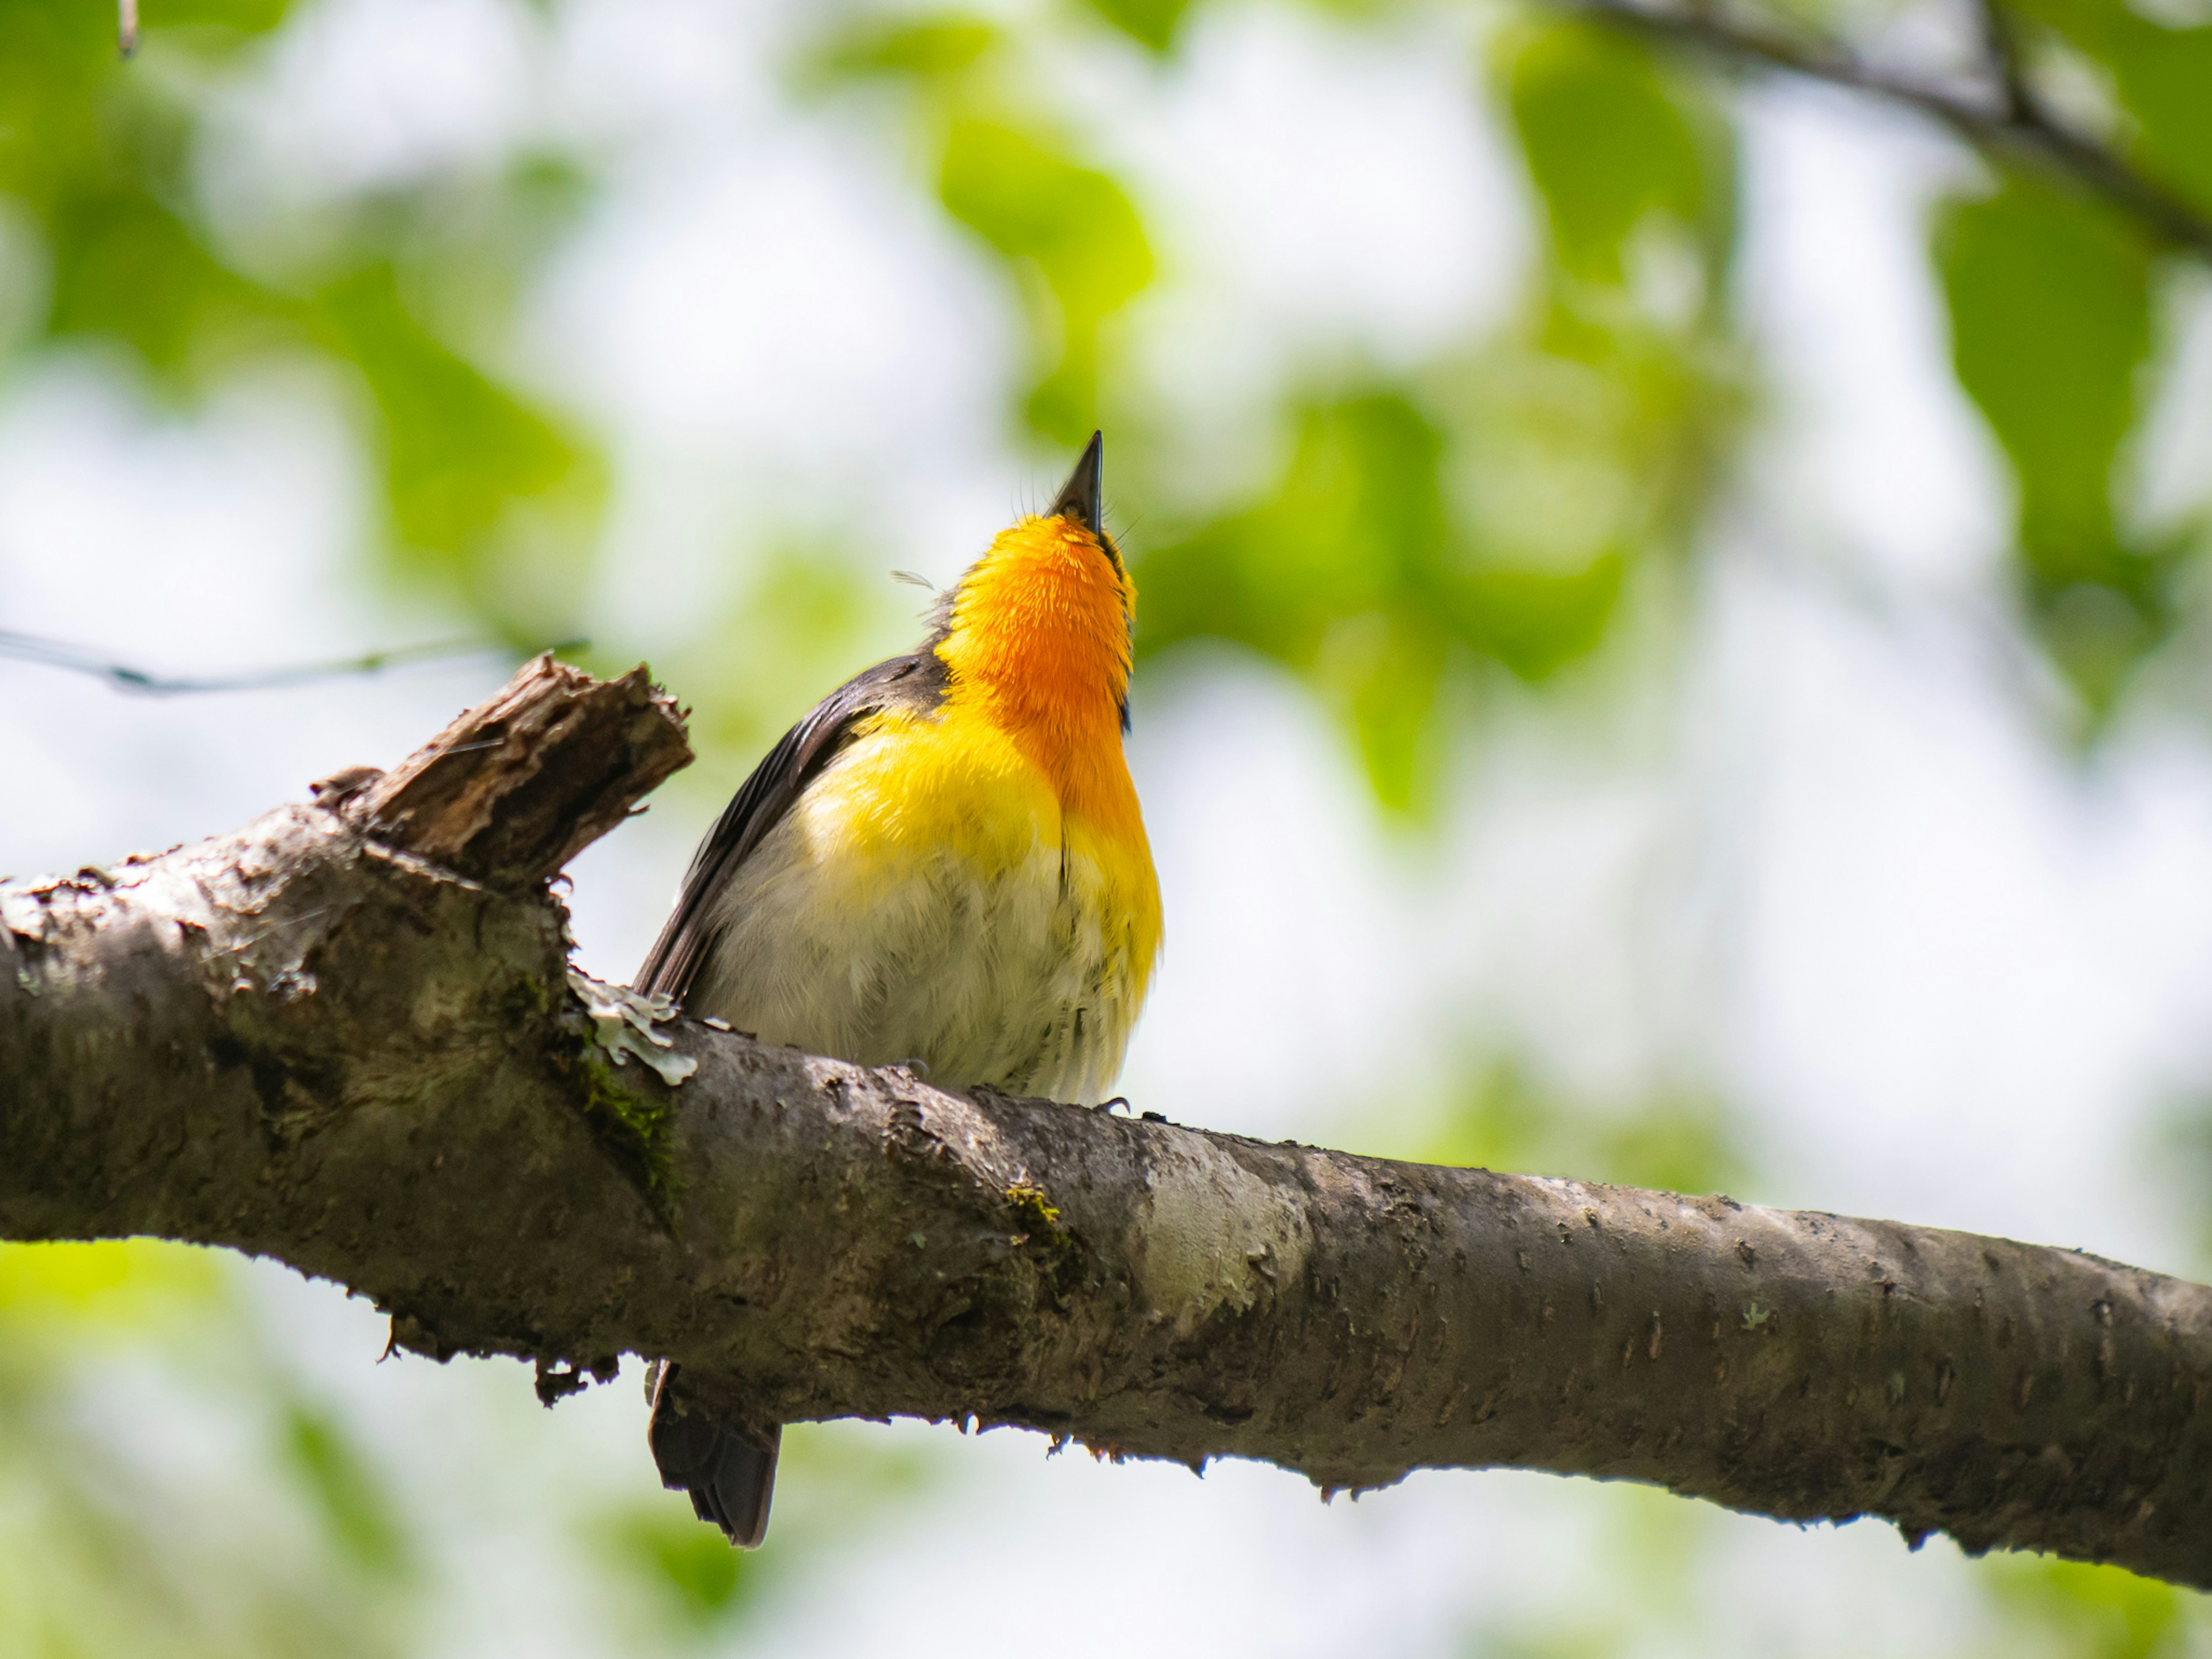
(730, 1474)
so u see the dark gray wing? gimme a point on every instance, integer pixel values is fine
(687, 939)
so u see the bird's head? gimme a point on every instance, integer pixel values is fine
(1042, 621)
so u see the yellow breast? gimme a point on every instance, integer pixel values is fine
(960, 783)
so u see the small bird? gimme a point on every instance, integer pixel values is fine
(942, 865)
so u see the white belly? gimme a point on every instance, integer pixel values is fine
(1005, 976)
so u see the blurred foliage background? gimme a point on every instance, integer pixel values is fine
(1518, 515)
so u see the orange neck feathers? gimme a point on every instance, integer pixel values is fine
(1039, 641)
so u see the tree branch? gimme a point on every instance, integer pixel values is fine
(2000, 45)
(342, 1037)
(2018, 126)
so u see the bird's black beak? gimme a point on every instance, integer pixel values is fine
(1079, 497)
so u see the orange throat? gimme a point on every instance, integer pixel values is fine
(1040, 642)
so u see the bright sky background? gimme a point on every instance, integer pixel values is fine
(1835, 868)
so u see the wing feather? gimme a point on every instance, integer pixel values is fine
(687, 939)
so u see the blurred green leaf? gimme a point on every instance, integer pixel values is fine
(926, 49)
(1385, 674)
(460, 453)
(1536, 621)
(126, 269)
(2156, 72)
(478, 478)
(2163, 76)
(1355, 517)
(689, 1569)
(71, 110)
(1151, 23)
(97, 151)
(117, 1285)
(807, 615)
(1069, 224)
(2050, 318)
(202, 18)
(2050, 321)
(841, 1482)
(1611, 140)
(1070, 233)
(1336, 573)
(1494, 507)
(353, 1503)
(464, 253)
(1590, 438)
(2087, 1612)
(106, 1550)
(1353, 573)
(1674, 1142)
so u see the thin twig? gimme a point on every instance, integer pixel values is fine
(126, 27)
(2027, 129)
(2020, 105)
(56, 653)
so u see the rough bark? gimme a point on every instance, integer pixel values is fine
(344, 1038)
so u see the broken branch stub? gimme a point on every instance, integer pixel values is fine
(522, 783)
